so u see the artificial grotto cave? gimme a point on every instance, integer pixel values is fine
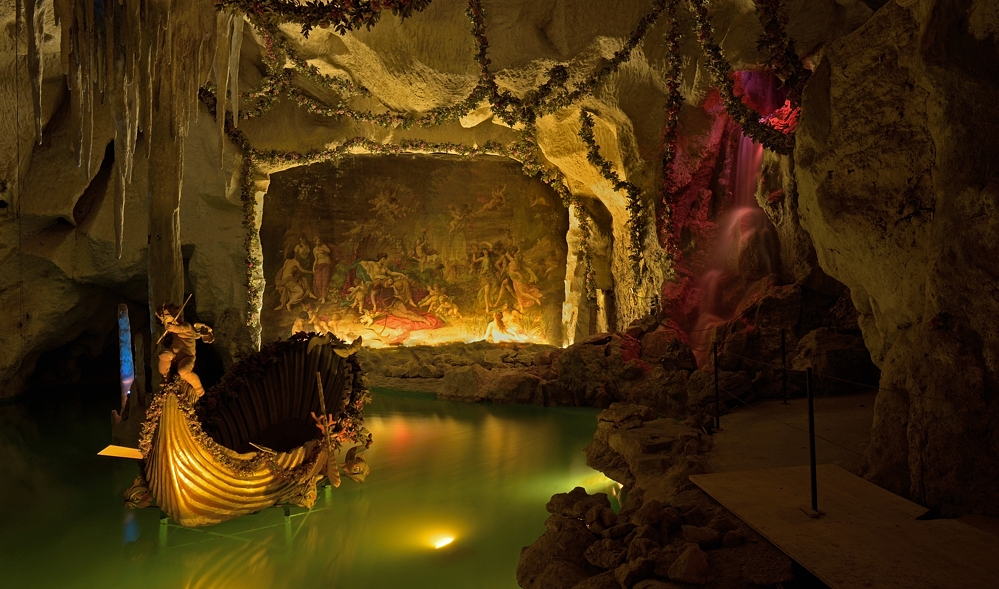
(566, 270)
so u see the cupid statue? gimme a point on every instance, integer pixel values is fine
(179, 345)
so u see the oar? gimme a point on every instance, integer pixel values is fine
(175, 318)
(331, 468)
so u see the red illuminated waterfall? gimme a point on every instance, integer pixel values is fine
(745, 250)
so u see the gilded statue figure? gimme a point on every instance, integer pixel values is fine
(179, 346)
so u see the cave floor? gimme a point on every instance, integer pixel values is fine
(754, 438)
(773, 435)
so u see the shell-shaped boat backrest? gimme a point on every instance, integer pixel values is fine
(269, 396)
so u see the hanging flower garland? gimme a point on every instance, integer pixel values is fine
(720, 70)
(636, 216)
(674, 101)
(784, 59)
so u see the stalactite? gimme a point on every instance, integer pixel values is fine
(235, 46)
(146, 58)
(34, 17)
(223, 25)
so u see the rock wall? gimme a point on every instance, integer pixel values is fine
(898, 189)
(413, 65)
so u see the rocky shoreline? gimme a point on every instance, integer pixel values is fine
(667, 533)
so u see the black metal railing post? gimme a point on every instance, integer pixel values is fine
(714, 349)
(783, 362)
(811, 437)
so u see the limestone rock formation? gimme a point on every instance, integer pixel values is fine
(895, 166)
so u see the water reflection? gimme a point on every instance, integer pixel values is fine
(477, 474)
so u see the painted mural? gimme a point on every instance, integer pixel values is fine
(406, 250)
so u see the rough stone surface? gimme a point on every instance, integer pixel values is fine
(557, 559)
(703, 537)
(841, 356)
(634, 571)
(898, 189)
(691, 566)
(606, 553)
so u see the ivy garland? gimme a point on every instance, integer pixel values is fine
(566, 98)
(784, 60)
(342, 15)
(720, 70)
(549, 97)
(674, 101)
(524, 151)
(636, 227)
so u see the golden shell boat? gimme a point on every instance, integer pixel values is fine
(252, 442)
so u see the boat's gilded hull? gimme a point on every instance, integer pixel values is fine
(198, 482)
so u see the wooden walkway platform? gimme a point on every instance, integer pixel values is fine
(868, 536)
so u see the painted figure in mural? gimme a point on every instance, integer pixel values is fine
(380, 275)
(398, 306)
(357, 294)
(322, 270)
(435, 296)
(301, 324)
(494, 203)
(539, 201)
(483, 263)
(387, 207)
(459, 218)
(497, 330)
(291, 283)
(179, 346)
(422, 252)
(322, 324)
(303, 252)
(518, 280)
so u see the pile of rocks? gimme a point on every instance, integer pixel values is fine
(667, 532)
(651, 363)
(648, 545)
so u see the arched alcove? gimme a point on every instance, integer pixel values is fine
(413, 249)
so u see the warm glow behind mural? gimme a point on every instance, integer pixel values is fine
(413, 250)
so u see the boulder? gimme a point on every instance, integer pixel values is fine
(649, 514)
(606, 553)
(633, 571)
(562, 503)
(559, 551)
(663, 391)
(641, 547)
(734, 538)
(592, 372)
(704, 537)
(664, 346)
(557, 574)
(837, 355)
(691, 566)
(477, 384)
(601, 581)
